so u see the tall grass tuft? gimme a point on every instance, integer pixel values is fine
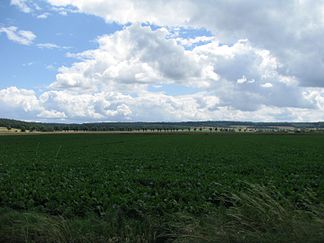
(257, 214)
(32, 227)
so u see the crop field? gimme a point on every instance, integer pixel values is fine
(162, 188)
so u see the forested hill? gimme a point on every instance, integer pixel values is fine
(128, 126)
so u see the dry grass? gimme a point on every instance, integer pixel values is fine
(258, 214)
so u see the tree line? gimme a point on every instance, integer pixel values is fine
(145, 126)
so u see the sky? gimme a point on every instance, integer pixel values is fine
(162, 60)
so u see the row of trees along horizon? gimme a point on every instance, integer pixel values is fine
(145, 126)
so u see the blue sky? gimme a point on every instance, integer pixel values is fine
(91, 60)
(34, 67)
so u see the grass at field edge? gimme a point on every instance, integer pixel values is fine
(253, 215)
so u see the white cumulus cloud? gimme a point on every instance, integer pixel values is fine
(291, 30)
(114, 83)
(131, 58)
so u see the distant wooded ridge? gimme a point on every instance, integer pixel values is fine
(129, 126)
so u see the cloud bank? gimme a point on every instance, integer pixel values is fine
(263, 61)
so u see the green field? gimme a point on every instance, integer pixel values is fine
(150, 187)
